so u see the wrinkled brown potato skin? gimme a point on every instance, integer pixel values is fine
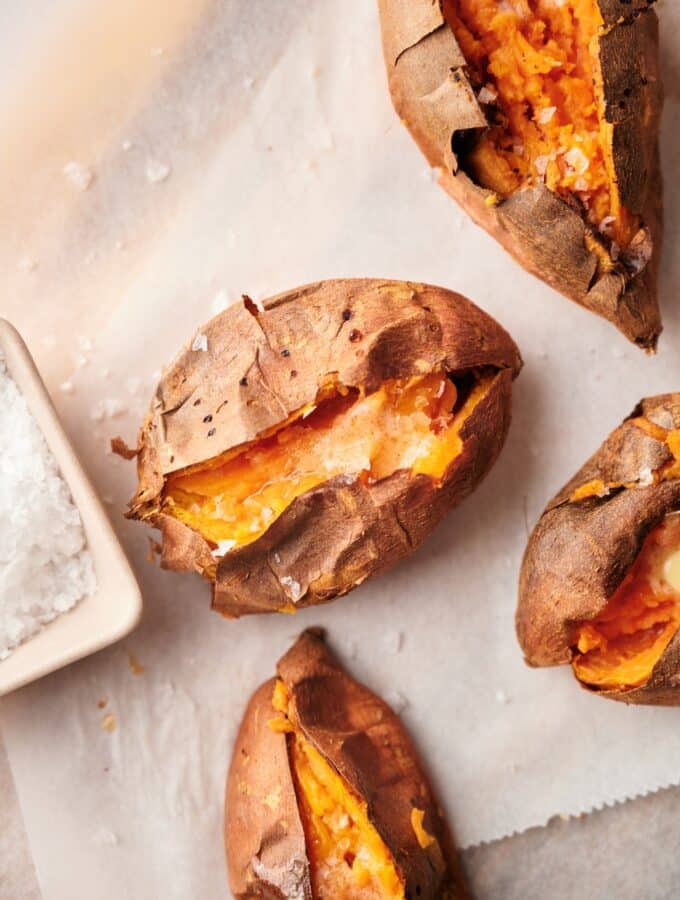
(363, 739)
(333, 537)
(579, 552)
(538, 228)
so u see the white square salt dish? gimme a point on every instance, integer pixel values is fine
(114, 608)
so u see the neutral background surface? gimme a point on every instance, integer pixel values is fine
(232, 149)
(626, 852)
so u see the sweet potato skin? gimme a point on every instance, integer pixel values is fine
(361, 332)
(434, 98)
(580, 551)
(366, 743)
(263, 834)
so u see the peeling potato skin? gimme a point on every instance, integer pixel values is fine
(333, 537)
(434, 98)
(363, 740)
(580, 551)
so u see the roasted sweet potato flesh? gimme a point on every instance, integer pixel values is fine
(536, 66)
(414, 423)
(619, 649)
(348, 858)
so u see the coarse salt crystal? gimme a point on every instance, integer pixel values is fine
(546, 115)
(294, 589)
(605, 225)
(581, 185)
(156, 171)
(200, 342)
(646, 476)
(45, 566)
(27, 264)
(541, 164)
(577, 160)
(66, 387)
(487, 95)
(80, 176)
(223, 547)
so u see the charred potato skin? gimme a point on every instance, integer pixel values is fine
(433, 96)
(580, 551)
(366, 743)
(362, 332)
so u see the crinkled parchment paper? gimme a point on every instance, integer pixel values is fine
(250, 146)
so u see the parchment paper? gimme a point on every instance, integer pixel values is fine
(287, 164)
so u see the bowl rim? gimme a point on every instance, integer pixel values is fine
(70, 636)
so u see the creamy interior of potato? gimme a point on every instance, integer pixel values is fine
(406, 424)
(537, 71)
(620, 648)
(348, 858)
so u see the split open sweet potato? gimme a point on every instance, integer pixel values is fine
(600, 581)
(298, 448)
(326, 797)
(543, 118)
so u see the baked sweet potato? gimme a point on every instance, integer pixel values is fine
(301, 447)
(326, 798)
(543, 118)
(600, 581)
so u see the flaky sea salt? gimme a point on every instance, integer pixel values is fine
(80, 176)
(487, 95)
(157, 171)
(223, 547)
(293, 588)
(200, 342)
(45, 566)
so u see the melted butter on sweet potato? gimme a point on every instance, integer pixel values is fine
(619, 648)
(348, 858)
(536, 65)
(405, 424)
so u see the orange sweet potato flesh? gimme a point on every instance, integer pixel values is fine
(348, 859)
(600, 580)
(406, 423)
(537, 66)
(542, 118)
(619, 649)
